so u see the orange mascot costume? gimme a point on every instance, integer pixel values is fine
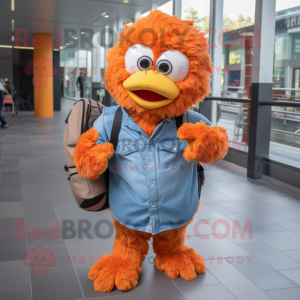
(157, 71)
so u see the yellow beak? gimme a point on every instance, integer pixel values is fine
(151, 81)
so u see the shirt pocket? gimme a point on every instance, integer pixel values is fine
(128, 155)
(171, 152)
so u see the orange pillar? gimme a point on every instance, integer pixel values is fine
(43, 75)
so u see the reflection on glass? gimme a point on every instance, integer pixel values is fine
(101, 96)
(74, 62)
(235, 117)
(236, 71)
(295, 45)
(286, 53)
(285, 126)
(285, 135)
(167, 8)
(238, 37)
(197, 11)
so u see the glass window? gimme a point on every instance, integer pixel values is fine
(285, 135)
(70, 72)
(236, 71)
(198, 11)
(102, 64)
(238, 36)
(295, 45)
(167, 8)
(281, 51)
(73, 63)
(279, 78)
(285, 125)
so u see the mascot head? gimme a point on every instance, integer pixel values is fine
(159, 67)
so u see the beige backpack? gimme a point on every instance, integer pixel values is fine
(90, 194)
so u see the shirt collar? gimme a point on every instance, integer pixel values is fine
(129, 122)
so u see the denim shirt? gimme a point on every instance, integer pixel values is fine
(152, 187)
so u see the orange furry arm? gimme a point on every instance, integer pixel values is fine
(91, 159)
(205, 144)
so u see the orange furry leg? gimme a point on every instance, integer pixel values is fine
(174, 258)
(123, 267)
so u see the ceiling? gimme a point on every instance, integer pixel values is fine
(46, 16)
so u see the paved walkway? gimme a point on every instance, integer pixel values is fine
(34, 191)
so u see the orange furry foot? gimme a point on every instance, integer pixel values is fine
(186, 263)
(110, 271)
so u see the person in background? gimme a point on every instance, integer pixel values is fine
(9, 90)
(80, 81)
(3, 123)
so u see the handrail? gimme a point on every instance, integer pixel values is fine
(233, 87)
(273, 88)
(244, 100)
(285, 89)
(238, 100)
(287, 132)
(280, 103)
(286, 112)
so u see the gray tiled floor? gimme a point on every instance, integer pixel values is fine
(34, 192)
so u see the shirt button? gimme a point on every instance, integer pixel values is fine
(150, 143)
(151, 164)
(123, 151)
(152, 185)
(174, 148)
(153, 206)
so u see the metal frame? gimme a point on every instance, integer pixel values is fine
(281, 172)
(237, 157)
(237, 100)
(281, 103)
(177, 6)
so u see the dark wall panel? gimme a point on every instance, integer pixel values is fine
(56, 81)
(23, 81)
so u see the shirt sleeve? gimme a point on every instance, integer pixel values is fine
(99, 124)
(194, 117)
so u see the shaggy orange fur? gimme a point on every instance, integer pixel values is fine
(123, 267)
(91, 159)
(205, 144)
(172, 34)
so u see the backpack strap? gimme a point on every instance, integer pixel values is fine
(179, 121)
(116, 127)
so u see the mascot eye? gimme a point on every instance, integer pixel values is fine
(173, 64)
(144, 63)
(164, 67)
(138, 58)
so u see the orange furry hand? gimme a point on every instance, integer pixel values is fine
(205, 144)
(90, 159)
